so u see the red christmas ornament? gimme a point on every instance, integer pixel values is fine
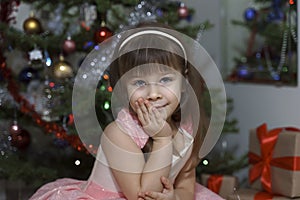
(69, 46)
(71, 119)
(183, 11)
(20, 139)
(102, 33)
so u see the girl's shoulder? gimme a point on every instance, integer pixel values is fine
(112, 127)
(122, 133)
(129, 124)
(114, 130)
(116, 136)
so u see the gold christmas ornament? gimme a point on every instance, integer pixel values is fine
(32, 25)
(62, 69)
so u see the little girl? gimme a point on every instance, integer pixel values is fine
(151, 149)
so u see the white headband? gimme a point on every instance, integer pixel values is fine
(155, 32)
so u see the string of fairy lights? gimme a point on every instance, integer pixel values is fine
(266, 63)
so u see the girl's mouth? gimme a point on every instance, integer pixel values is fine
(159, 106)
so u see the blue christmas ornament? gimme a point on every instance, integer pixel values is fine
(244, 72)
(88, 44)
(97, 47)
(27, 74)
(258, 55)
(159, 12)
(275, 76)
(250, 14)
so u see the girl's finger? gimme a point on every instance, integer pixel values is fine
(156, 113)
(142, 105)
(149, 105)
(149, 198)
(151, 112)
(155, 117)
(153, 195)
(166, 182)
(140, 113)
(141, 196)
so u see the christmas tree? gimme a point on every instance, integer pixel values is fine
(37, 127)
(270, 55)
(222, 160)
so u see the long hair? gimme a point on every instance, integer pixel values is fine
(167, 57)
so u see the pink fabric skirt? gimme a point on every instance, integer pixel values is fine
(71, 189)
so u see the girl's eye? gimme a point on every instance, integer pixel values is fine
(165, 79)
(139, 83)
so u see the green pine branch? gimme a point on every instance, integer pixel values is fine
(227, 164)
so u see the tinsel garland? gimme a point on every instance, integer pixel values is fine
(27, 108)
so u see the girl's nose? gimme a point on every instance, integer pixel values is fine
(153, 92)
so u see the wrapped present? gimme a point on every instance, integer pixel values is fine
(275, 160)
(252, 194)
(223, 185)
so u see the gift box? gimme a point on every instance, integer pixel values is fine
(223, 185)
(274, 157)
(252, 194)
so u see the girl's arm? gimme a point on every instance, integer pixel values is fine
(132, 173)
(183, 187)
(185, 183)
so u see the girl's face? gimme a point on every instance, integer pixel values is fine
(162, 87)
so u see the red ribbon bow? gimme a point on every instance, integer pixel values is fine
(214, 183)
(262, 164)
(263, 196)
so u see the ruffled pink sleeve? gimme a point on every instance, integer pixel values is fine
(130, 125)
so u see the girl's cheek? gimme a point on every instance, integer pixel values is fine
(135, 95)
(133, 99)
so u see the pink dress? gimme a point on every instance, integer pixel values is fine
(101, 184)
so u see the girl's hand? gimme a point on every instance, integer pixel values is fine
(152, 120)
(167, 194)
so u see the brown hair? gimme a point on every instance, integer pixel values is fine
(128, 60)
